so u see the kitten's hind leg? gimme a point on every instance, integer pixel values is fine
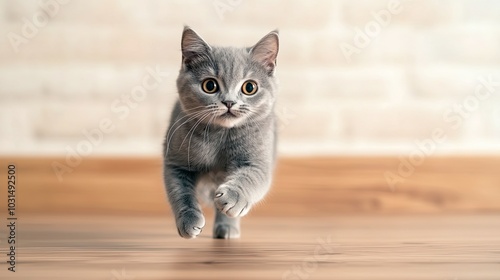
(226, 227)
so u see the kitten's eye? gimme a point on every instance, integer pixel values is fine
(249, 87)
(209, 85)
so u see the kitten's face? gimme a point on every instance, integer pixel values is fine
(227, 86)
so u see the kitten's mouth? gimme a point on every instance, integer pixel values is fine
(229, 118)
(228, 114)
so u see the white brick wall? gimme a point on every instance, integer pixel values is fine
(394, 90)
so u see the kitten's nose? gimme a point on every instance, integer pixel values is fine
(228, 104)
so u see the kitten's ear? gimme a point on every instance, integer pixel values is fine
(266, 51)
(192, 45)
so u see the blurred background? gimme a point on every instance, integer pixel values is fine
(357, 77)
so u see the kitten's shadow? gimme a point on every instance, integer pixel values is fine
(231, 251)
(225, 246)
(216, 252)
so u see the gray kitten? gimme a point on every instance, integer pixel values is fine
(222, 136)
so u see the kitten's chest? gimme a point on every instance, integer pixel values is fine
(222, 149)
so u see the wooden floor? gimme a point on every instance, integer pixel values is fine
(446, 247)
(302, 186)
(325, 218)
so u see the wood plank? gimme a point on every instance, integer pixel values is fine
(302, 187)
(392, 247)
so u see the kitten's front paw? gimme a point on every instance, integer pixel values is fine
(231, 202)
(190, 224)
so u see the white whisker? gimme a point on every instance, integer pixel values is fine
(189, 117)
(193, 129)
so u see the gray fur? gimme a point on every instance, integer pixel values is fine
(229, 159)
